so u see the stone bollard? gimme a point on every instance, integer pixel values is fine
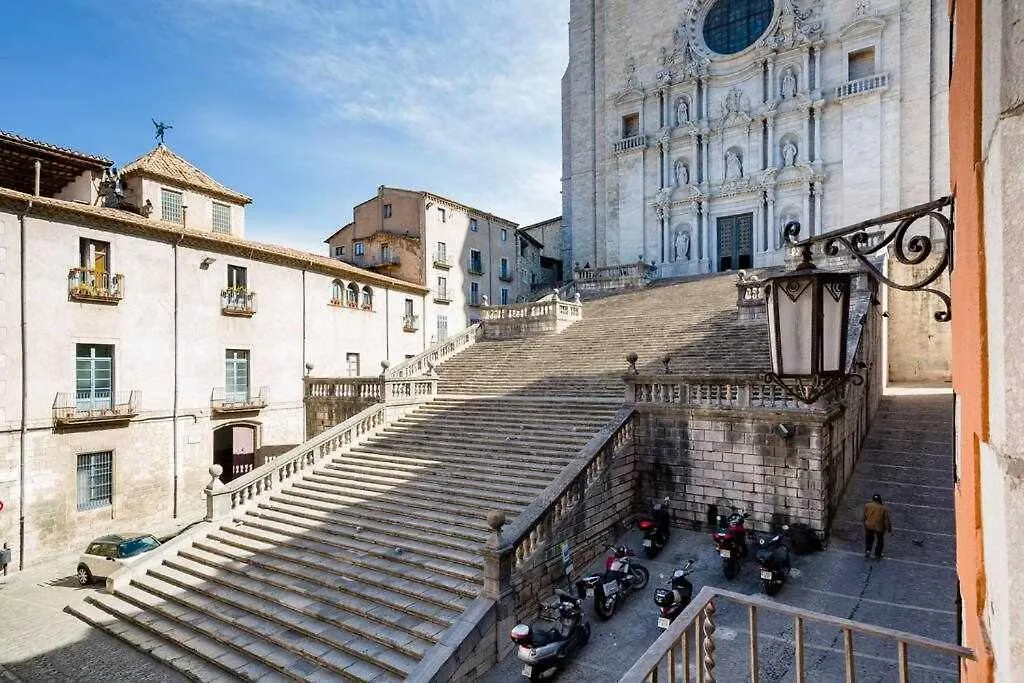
(215, 505)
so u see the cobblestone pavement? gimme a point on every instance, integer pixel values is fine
(40, 642)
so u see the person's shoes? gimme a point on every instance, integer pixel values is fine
(878, 557)
(867, 554)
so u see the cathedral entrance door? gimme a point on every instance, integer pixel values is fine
(735, 242)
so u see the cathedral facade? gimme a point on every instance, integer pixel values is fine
(694, 130)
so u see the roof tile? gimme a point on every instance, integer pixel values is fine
(163, 164)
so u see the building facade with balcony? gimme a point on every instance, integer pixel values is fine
(464, 256)
(137, 352)
(540, 256)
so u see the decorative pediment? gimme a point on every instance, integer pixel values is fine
(632, 88)
(796, 26)
(865, 26)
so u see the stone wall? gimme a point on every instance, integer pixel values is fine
(330, 402)
(919, 348)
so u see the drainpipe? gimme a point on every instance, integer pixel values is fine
(174, 410)
(24, 370)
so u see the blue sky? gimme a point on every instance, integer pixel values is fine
(305, 105)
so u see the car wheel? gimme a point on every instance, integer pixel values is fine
(84, 575)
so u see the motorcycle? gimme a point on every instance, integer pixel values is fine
(656, 528)
(621, 577)
(730, 539)
(773, 558)
(545, 650)
(674, 600)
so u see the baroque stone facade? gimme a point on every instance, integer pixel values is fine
(695, 157)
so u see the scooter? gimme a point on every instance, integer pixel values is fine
(543, 649)
(622, 577)
(674, 600)
(773, 558)
(656, 527)
(730, 539)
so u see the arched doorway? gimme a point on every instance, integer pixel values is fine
(234, 449)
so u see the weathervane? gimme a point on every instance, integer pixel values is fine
(160, 128)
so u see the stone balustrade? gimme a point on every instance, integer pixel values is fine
(530, 319)
(424, 363)
(739, 392)
(862, 85)
(632, 142)
(589, 281)
(344, 387)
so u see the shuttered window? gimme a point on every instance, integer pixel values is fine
(94, 376)
(236, 375)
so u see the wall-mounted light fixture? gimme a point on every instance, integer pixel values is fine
(206, 262)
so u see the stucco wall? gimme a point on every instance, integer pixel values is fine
(199, 212)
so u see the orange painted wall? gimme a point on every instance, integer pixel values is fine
(970, 362)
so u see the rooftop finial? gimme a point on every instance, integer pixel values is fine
(161, 127)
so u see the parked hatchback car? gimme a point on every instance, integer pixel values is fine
(107, 554)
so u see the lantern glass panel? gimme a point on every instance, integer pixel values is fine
(794, 309)
(835, 298)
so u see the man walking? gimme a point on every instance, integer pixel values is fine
(877, 523)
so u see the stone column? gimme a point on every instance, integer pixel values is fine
(772, 95)
(817, 68)
(805, 221)
(807, 69)
(703, 98)
(709, 249)
(807, 133)
(817, 134)
(772, 228)
(771, 141)
(758, 222)
(664, 238)
(818, 220)
(701, 215)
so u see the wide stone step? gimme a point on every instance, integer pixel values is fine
(353, 633)
(458, 563)
(271, 583)
(270, 641)
(536, 465)
(483, 434)
(186, 661)
(446, 476)
(410, 509)
(558, 418)
(338, 522)
(437, 484)
(465, 467)
(415, 443)
(336, 484)
(421, 598)
(449, 575)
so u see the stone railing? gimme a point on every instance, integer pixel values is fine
(531, 319)
(740, 392)
(424, 363)
(750, 301)
(862, 85)
(632, 142)
(691, 639)
(366, 388)
(590, 281)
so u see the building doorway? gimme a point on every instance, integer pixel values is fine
(735, 242)
(234, 449)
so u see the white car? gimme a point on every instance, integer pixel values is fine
(107, 554)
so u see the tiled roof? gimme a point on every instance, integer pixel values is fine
(101, 162)
(163, 164)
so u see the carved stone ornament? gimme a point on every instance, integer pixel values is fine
(789, 153)
(682, 173)
(795, 26)
(630, 74)
(681, 244)
(682, 110)
(789, 86)
(733, 165)
(864, 10)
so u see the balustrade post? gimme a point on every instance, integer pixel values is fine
(498, 561)
(217, 506)
(708, 644)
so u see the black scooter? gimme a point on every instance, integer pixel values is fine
(773, 558)
(674, 600)
(621, 577)
(544, 649)
(656, 527)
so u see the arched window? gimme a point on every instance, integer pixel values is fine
(352, 295)
(367, 298)
(337, 292)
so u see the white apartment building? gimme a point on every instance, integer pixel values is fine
(465, 256)
(143, 339)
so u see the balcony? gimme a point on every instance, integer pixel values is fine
(382, 262)
(505, 276)
(94, 406)
(475, 269)
(238, 302)
(95, 286)
(441, 261)
(222, 401)
(862, 85)
(442, 296)
(630, 143)
(410, 323)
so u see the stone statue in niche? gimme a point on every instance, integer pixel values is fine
(632, 80)
(788, 84)
(681, 245)
(733, 165)
(789, 152)
(682, 173)
(682, 111)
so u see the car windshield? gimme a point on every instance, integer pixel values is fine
(137, 546)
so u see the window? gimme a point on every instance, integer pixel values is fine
(442, 328)
(367, 303)
(385, 253)
(337, 292)
(358, 248)
(94, 265)
(236, 375)
(473, 226)
(408, 307)
(171, 205)
(443, 213)
(221, 217)
(861, 63)
(95, 483)
(475, 263)
(504, 269)
(94, 377)
(504, 296)
(237, 278)
(442, 253)
(352, 363)
(474, 293)
(630, 126)
(504, 235)
(442, 287)
(387, 211)
(352, 295)
(339, 252)
(734, 25)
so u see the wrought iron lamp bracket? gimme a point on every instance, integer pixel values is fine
(809, 389)
(910, 250)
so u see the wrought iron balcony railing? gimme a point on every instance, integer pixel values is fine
(442, 296)
(410, 323)
(441, 261)
(85, 284)
(475, 268)
(505, 276)
(223, 401)
(94, 405)
(238, 301)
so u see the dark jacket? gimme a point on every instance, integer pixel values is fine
(877, 518)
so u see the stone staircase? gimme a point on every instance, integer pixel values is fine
(695, 322)
(355, 570)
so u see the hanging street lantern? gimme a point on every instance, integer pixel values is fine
(809, 308)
